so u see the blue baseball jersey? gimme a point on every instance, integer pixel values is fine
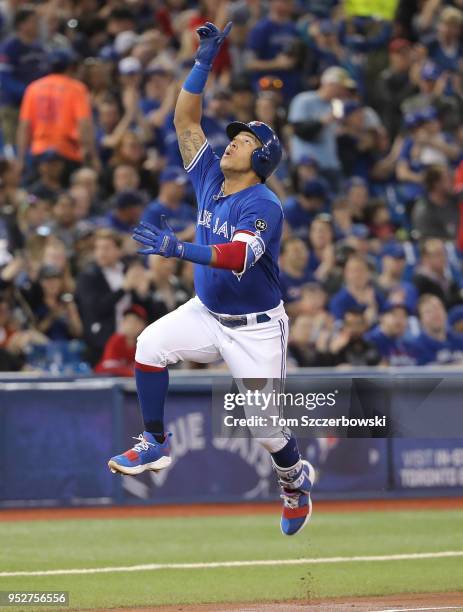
(254, 211)
(429, 350)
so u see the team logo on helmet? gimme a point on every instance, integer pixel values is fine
(260, 225)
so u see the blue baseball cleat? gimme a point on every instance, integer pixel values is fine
(297, 505)
(147, 454)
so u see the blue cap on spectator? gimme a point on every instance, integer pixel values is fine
(429, 114)
(326, 26)
(413, 119)
(455, 314)
(356, 181)
(308, 160)
(60, 59)
(350, 107)
(393, 249)
(430, 71)
(128, 199)
(359, 230)
(49, 155)
(314, 188)
(108, 54)
(388, 306)
(172, 174)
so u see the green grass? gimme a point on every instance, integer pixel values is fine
(98, 543)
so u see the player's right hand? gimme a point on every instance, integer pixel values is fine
(157, 241)
(210, 41)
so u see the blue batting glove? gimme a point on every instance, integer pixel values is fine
(158, 241)
(210, 41)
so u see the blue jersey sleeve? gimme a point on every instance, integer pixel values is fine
(204, 172)
(259, 223)
(262, 218)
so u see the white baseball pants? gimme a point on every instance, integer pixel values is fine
(256, 350)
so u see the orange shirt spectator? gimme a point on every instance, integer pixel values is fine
(54, 107)
(56, 114)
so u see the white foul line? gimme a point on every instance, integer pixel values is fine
(420, 609)
(218, 564)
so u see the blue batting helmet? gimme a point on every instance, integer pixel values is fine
(266, 158)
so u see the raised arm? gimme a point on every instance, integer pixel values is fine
(187, 117)
(187, 121)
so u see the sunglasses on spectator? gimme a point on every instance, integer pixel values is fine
(270, 83)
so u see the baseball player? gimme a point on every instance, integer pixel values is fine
(237, 313)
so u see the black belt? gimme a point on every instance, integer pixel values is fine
(239, 321)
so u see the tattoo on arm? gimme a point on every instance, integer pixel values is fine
(189, 142)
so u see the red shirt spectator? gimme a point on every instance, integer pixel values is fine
(119, 353)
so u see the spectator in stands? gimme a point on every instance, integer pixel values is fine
(314, 124)
(64, 221)
(433, 274)
(7, 325)
(301, 209)
(171, 204)
(50, 166)
(131, 151)
(56, 313)
(125, 178)
(294, 273)
(313, 326)
(389, 336)
(356, 141)
(394, 86)
(243, 99)
(356, 193)
(348, 346)
(88, 179)
(435, 214)
(357, 292)
(217, 116)
(102, 292)
(321, 239)
(323, 47)
(446, 49)
(56, 114)
(390, 281)
(436, 344)
(272, 47)
(410, 166)
(166, 291)
(22, 61)
(119, 353)
(378, 221)
(156, 102)
(126, 211)
(455, 319)
(206, 10)
(306, 169)
(9, 361)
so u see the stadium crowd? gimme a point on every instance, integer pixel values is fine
(369, 110)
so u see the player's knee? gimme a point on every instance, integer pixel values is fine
(274, 443)
(149, 350)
